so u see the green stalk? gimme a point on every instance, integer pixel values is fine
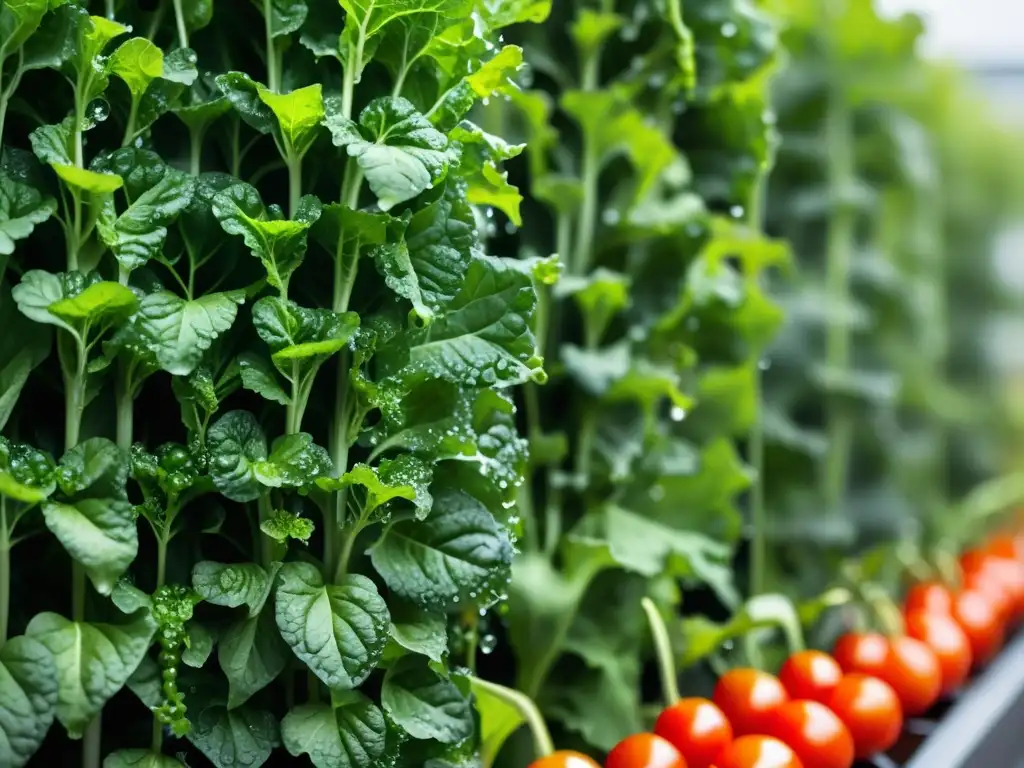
(292, 412)
(294, 164)
(265, 512)
(543, 745)
(272, 73)
(179, 18)
(7, 91)
(758, 516)
(663, 653)
(839, 255)
(129, 129)
(195, 155)
(5, 571)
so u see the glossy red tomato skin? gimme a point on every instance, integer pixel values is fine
(814, 733)
(565, 759)
(1006, 545)
(749, 697)
(979, 619)
(993, 590)
(929, 596)
(913, 671)
(948, 642)
(697, 728)
(864, 652)
(644, 750)
(870, 710)
(758, 752)
(811, 675)
(1000, 574)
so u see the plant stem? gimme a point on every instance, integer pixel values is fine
(125, 411)
(195, 155)
(129, 129)
(841, 230)
(294, 164)
(7, 91)
(5, 571)
(293, 409)
(272, 74)
(663, 652)
(543, 745)
(346, 550)
(266, 545)
(758, 519)
(179, 18)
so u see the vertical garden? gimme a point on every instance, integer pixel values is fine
(438, 383)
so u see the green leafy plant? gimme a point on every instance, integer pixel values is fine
(276, 300)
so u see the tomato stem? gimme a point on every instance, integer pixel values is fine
(889, 618)
(543, 745)
(663, 652)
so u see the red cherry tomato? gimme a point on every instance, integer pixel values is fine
(565, 759)
(862, 652)
(644, 750)
(948, 642)
(758, 752)
(929, 596)
(1003, 575)
(810, 675)
(697, 728)
(993, 590)
(870, 710)
(978, 618)
(749, 697)
(813, 731)
(1006, 545)
(914, 672)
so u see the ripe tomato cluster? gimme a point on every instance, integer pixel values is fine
(825, 711)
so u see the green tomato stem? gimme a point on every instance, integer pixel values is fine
(179, 18)
(663, 652)
(543, 745)
(758, 516)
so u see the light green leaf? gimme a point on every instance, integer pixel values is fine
(296, 333)
(180, 331)
(294, 461)
(299, 114)
(339, 630)
(138, 62)
(425, 704)
(498, 721)
(105, 300)
(504, 14)
(349, 733)
(592, 28)
(236, 444)
(405, 477)
(18, 20)
(399, 151)
(231, 585)
(28, 698)
(84, 180)
(241, 737)
(98, 533)
(93, 662)
(199, 644)
(285, 16)
(129, 598)
(139, 758)
(419, 631)
(461, 554)
(21, 209)
(279, 243)
(284, 525)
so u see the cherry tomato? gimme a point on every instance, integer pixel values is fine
(929, 596)
(994, 590)
(1006, 545)
(813, 731)
(749, 697)
(697, 728)
(564, 759)
(948, 642)
(758, 752)
(644, 750)
(977, 617)
(914, 672)
(810, 675)
(870, 710)
(1006, 575)
(862, 652)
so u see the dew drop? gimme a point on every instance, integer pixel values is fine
(677, 413)
(736, 211)
(729, 29)
(98, 110)
(764, 363)
(657, 493)
(487, 644)
(610, 216)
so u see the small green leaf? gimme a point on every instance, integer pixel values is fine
(299, 114)
(28, 697)
(419, 631)
(258, 376)
(84, 180)
(19, 19)
(284, 525)
(400, 152)
(21, 209)
(232, 585)
(199, 645)
(425, 704)
(105, 300)
(129, 598)
(339, 630)
(461, 554)
(406, 477)
(498, 720)
(348, 733)
(241, 737)
(138, 62)
(294, 461)
(297, 333)
(26, 473)
(93, 662)
(180, 331)
(236, 444)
